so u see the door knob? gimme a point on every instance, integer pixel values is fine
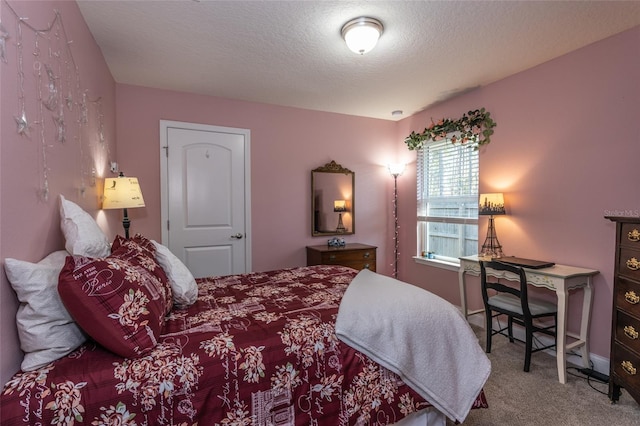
(238, 236)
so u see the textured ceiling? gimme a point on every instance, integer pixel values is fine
(291, 53)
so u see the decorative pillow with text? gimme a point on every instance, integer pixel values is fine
(120, 301)
(143, 249)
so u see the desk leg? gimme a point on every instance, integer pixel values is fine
(463, 291)
(561, 332)
(585, 323)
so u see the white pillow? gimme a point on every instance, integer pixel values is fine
(183, 285)
(45, 328)
(83, 236)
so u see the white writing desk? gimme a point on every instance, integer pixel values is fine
(559, 278)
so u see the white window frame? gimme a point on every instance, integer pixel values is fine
(467, 175)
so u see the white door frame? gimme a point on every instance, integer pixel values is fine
(164, 202)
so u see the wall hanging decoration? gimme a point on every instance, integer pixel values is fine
(53, 73)
(4, 35)
(21, 118)
(473, 129)
(100, 114)
(52, 99)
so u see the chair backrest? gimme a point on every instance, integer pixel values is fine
(492, 283)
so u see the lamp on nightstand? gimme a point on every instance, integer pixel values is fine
(122, 193)
(340, 206)
(491, 205)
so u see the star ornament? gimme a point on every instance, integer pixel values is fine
(23, 124)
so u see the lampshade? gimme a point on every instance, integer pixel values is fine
(491, 204)
(362, 34)
(340, 206)
(122, 192)
(396, 169)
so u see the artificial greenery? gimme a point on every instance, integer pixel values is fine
(473, 129)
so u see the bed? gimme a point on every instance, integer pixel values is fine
(251, 349)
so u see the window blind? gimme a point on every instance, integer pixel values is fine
(447, 184)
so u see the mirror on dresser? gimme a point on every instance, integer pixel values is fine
(332, 200)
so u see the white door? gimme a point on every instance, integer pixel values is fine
(205, 175)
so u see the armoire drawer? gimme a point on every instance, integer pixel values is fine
(627, 296)
(630, 235)
(626, 365)
(628, 331)
(629, 263)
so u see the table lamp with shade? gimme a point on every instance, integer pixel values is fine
(122, 192)
(340, 206)
(491, 204)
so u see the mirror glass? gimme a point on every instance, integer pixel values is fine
(332, 200)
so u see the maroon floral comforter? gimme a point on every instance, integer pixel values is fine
(255, 349)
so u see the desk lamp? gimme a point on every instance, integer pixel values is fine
(491, 205)
(340, 206)
(122, 193)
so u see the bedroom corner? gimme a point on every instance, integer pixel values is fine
(59, 79)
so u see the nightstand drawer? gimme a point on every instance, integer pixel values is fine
(349, 256)
(359, 265)
(357, 256)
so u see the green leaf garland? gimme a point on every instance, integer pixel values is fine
(473, 129)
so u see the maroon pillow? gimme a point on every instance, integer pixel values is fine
(119, 301)
(137, 243)
(142, 248)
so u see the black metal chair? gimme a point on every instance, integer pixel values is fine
(515, 303)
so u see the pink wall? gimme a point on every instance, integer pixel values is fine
(286, 144)
(29, 223)
(564, 152)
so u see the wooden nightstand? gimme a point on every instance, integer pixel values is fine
(356, 256)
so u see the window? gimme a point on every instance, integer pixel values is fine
(447, 176)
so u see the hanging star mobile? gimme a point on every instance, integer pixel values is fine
(23, 125)
(4, 35)
(52, 101)
(61, 133)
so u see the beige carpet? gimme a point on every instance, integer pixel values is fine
(537, 398)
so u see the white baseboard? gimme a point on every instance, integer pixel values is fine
(600, 363)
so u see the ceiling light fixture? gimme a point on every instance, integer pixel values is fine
(362, 34)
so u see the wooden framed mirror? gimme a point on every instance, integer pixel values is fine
(332, 200)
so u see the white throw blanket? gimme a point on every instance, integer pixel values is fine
(417, 335)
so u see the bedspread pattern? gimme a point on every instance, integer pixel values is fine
(255, 349)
